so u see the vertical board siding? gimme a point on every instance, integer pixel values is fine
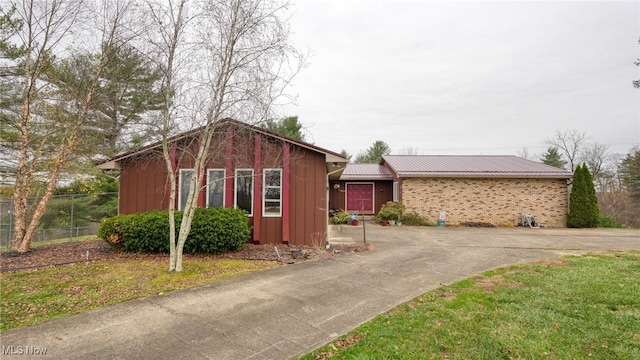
(308, 197)
(143, 182)
(143, 186)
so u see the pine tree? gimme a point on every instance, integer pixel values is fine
(374, 153)
(554, 158)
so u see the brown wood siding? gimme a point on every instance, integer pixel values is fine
(143, 183)
(271, 230)
(143, 186)
(308, 197)
(383, 193)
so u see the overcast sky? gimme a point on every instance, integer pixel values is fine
(471, 77)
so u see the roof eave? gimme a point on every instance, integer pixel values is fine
(364, 177)
(485, 176)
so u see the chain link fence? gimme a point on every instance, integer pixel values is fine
(67, 218)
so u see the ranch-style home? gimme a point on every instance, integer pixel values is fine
(474, 189)
(280, 182)
(288, 186)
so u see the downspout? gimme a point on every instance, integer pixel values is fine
(327, 207)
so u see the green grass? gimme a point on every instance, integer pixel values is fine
(31, 297)
(55, 241)
(585, 307)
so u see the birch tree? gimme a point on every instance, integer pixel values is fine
(49, 121)
(240, 61)
(165, 37)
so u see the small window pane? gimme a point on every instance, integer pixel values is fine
(272, 207)
(272, 194)
(272, 178)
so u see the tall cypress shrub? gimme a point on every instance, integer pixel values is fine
(591, 198)
(576, 199)
(583, 204)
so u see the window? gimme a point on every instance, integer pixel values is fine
(215, 187)
(183, 186)
(272, 193)
(396, 196)
(244, 190)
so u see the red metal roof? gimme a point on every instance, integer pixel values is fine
(366, 172)
(470, 166)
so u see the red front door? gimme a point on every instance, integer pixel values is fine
(359, 198)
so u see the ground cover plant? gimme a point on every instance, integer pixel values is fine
(575, 307)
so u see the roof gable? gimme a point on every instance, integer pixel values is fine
(330, 155)
(483, 166)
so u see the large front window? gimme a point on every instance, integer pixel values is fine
(183, 184)
(244, 190)
(215, 187)
(272, 194)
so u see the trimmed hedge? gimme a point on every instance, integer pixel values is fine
(213, 231)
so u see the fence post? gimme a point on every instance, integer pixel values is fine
(10, 211)
(71, 221)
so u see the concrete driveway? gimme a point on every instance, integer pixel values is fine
(286, 312)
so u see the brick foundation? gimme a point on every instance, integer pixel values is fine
(495, 201)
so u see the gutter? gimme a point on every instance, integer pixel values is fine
(327, 205)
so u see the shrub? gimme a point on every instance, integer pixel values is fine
(110, 230)
(217, 230)
(340, 218)
(213, 230)
(392, 210)
(608, 221)
(415, 219)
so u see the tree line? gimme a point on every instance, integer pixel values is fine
(83, 80)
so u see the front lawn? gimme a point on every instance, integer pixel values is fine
(33, 296)
(585, 307)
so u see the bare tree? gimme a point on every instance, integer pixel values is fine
(410, 150)
(571, 144)
(596, 157)
(525, 154)
(238, 65)
(50, 121)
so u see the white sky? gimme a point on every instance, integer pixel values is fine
(469, 77)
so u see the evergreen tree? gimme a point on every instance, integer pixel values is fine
(346, 155)
(289, 126)
(592, 199)
(576, 199)
(374, 153)
(583, 204)
(554, 158)
(630, 171)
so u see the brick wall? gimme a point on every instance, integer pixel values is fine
(496, 201)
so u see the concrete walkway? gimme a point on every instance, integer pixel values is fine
(286, 312)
